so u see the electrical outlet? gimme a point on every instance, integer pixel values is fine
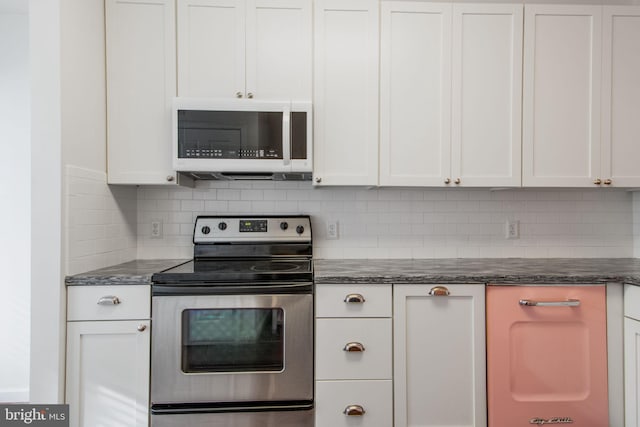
(156, 229)
(332, 230)
(512, 229)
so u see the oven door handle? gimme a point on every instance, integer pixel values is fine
(567, 303)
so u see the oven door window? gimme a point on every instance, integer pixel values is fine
(232, 340)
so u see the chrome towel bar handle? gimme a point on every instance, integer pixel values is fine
(567, 303)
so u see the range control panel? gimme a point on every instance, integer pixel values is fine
(227, 229)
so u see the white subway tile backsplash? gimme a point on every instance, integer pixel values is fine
(100, 226)
(409, 223)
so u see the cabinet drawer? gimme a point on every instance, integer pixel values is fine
(334, 362)
(332, 301)
(632, 301)
(97, 302)
(333, 397)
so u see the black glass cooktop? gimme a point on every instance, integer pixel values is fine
(237, 271)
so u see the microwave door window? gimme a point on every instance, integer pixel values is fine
(232, 340)
(229, 134)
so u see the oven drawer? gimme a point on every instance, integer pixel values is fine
(333, 398)
(330, 300)
(108, 302)
(353, 349)
(301, 418)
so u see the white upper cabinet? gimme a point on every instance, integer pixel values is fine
(562, 82)
(211, 45)
(415, 93)
(245, 49)
(621, 96)
(346, 40)
(487, 95)
(450, 102)
(141, 82)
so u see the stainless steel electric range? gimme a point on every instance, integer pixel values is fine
(232, 330)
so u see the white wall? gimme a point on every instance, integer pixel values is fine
(47, 288)
(405, 223)
(100, 221)
(15, 224)
(74, 211)
(84, 129)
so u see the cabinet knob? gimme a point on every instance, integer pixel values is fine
(447, 181)
(597, 181)
(142, 327)
(250, 95)
(238, 94)
(109, 300)
(354, 298)
(354, 347)
(439, 291)
(170, 178)
(318, 179)
(457, 181)
(354, 410)
(607, 182)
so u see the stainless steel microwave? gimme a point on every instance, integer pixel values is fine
(241, 136)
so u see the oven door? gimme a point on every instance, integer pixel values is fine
(232, 348)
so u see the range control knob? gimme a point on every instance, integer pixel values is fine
(284, 225)
(222, 226)
(206, 229)
(299, 229)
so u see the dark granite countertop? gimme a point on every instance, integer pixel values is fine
(136, 272)
(479, 270)
(429, 271)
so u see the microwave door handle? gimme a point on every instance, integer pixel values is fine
(286, 136)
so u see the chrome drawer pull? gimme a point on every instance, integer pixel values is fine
(354, 346)
(109, 300)
(439, 291)
(354, 410)
(567, 303)
(354, 298)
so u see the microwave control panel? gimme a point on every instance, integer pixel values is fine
(214, 153)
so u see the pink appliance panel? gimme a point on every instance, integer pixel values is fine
(547, 365)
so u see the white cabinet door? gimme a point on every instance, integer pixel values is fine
(245, 49)
(561, 105)
(487, 95)
(439, 356)
(631, 372)
(415, 93)
(211, 48)
(346, 40)
(108, 373)
(621, 96)
(450, 94)
(279, 49)
(141, 82)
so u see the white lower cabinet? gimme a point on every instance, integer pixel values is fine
(334, 336)
(354, 356)
(373, 399)
(631, 355)
(107, 380)
(439, 355)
